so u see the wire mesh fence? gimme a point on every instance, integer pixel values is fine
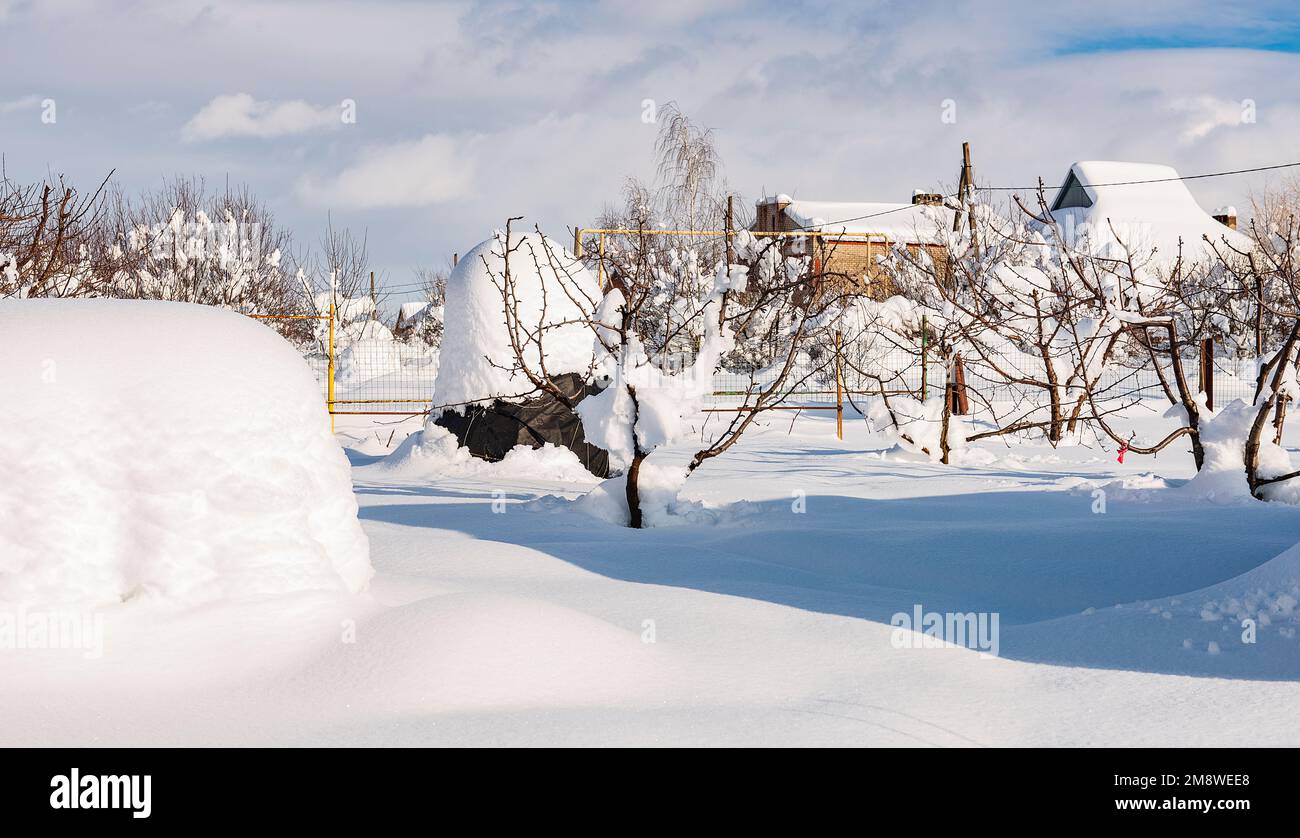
(384, 377)
(363, 374)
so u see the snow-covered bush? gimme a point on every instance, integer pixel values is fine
(643, 407)
(165, 451)
(54, 240)
(434, 450)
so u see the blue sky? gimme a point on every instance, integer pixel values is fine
(469, 112)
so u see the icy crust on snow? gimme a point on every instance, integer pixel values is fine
(476, 357)
(168, 451)
(434, 452)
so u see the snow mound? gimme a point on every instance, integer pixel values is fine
(659, 486)
(487, 651)
(1143, 487)
(434, 451)
(167, 451)
(1222, 479)
(476, 355)
(920, 427)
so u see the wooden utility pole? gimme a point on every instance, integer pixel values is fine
(839, 386)
(961, 186)
(1259, 308)
(925, 329)
(957, 394)
(965, 192)
(455, 259)
(374, 301)
(731, 256)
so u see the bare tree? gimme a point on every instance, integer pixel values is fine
(49, 237)
(646, 398)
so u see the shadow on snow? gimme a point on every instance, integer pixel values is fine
(1038, 559)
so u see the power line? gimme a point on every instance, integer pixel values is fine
(1058, 188)
(1159, 179)
(904, 207)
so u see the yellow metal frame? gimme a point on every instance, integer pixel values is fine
(331, 403)
(329, 387)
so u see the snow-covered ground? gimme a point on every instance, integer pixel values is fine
(501, 614)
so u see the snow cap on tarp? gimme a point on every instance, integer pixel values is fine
(476, 354)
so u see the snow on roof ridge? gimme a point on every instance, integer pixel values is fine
(1154, 171)
(1147, 203)
(897, 221)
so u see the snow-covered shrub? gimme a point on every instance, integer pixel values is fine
(642, 407)
(54, 240)
(164, 451)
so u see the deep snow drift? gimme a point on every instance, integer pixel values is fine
(165, 451)
(500, 613)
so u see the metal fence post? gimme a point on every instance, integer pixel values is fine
(329, 387)
(839, 388)
(600, 265)
(924, 350)
(1207, 371)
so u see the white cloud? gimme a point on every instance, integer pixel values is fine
(828, 100)
(19, 104)
(240, 115)
(1205, 114)
(430, 170)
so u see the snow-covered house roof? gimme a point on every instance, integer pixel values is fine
(412, 310)
(1146, 204)
(915, 223)
(412, 313)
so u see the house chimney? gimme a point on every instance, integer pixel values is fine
(1227, 216)
(770, 211)
(920, 196)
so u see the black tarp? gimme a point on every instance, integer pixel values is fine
(489, 432)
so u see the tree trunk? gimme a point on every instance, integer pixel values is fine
(1272, 404)
(633, 493)
(631, 489)
(947, 417)
(1187, 398)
